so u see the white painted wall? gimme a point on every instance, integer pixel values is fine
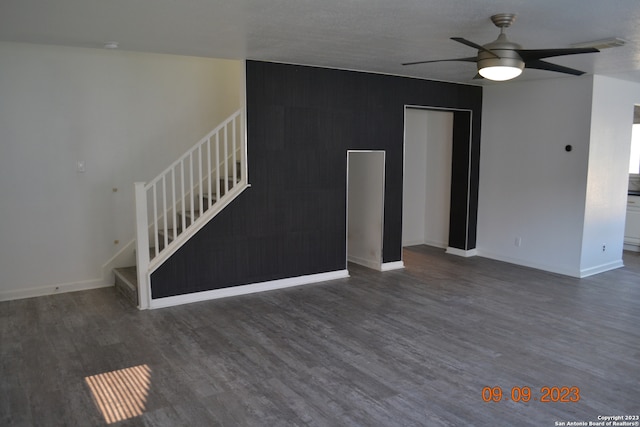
(427, 180)
(438, 184)
(127, 115)
(415, 176)
(365, 207)
(564, 206)
(609, 151)
(530, 187)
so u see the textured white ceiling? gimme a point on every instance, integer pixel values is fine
(370, 35)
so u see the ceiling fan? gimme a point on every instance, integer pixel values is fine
(504, 60)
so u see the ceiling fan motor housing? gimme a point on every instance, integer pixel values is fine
(506, 52)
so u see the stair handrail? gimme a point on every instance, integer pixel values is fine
(224, 148)
(194, 148)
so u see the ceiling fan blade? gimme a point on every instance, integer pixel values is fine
(474, 45)
(533, 54)
(543, 65)
(469, 59)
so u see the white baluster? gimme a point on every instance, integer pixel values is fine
(164, 212)
(226, 158)
(209, 171)
(173, 203)
(200, 192)
(217, 166)
(182, 196)
(155, 219)
(234, 165)
(191, 184)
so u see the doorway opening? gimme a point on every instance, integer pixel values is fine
(634, 159)
(632, 219)
(365, 207)
(426, 197)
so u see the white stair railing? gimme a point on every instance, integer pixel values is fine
(179, 201)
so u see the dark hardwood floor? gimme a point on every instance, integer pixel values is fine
(412, 347)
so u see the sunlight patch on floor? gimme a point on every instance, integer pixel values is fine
(121, 394)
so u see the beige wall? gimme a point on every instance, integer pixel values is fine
(126, 115)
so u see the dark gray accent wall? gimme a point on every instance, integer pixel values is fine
(292, 221)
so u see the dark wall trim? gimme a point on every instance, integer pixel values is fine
(291, 222)
(459, 216)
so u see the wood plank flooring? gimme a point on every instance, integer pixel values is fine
(412, 347)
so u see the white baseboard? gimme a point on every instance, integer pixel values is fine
(461, 252)
(53, 289)
(385, 266)
(586, 272)
(388, 266)
(435, 244)
(364, 262)
(632, 248)
(412, 243)
(525, 263)
(425, 242)
(247, 289)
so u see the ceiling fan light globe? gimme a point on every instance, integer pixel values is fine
(500, 73)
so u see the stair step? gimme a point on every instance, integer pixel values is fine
(169, 234)
(238, 171)
(214, 199)
(161, 237)
(231, 183)
(126, 283)
(189, 217)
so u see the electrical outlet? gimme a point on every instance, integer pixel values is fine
(518, 241)
(80, 166)
(604, 248)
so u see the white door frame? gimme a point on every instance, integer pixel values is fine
(378, 264)
(449, 249)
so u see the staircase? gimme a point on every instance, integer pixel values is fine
(175, 205)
